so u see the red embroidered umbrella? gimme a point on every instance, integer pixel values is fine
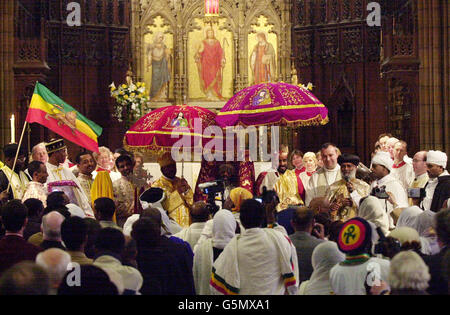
(162, 128)
(267, 104)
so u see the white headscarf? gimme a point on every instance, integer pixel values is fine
(168, 227)
(408, 217)
(224, 228)
(383, 158)
(424, 222)
(324, 257)
(372, 211)
(421, 221)
(405, 234)
(75, 211)
(437, 157)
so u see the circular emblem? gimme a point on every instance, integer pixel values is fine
(352, 235)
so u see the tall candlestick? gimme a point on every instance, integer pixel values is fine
(13, 129)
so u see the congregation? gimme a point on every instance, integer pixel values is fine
(316, 223)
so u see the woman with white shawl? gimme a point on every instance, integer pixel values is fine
(371, 210)
(422, 222)
(324, 257)
(224, 227)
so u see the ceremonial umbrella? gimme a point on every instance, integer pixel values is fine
(269, 104)
(162, 128)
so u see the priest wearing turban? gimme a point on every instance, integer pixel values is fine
(179, 195)
(344, 194)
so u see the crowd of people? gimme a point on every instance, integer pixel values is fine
(318, 223)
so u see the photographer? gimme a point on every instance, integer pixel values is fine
(308, 234)
(387, 188)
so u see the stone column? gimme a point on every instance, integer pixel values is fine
(6, 69)
(434, 75)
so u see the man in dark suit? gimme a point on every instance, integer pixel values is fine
(166, 266)
(304, 225)
(438, 284)
(13, 247)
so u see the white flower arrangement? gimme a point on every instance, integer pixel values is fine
(131, 100)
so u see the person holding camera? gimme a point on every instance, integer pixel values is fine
(438, 186)
(308, 234)
(386, 187)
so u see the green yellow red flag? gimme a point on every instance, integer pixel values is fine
(52, 112)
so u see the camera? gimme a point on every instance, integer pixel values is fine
(380, 192)
(416, 193)
(212, 189)
(387, 246)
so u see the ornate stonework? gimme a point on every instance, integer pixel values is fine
(236, 30)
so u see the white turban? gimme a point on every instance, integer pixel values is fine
(381, 158)
(437, 157)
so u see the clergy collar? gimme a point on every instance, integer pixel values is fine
(422, 175)
(402, 163)
(337, 168)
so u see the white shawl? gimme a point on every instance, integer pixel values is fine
(371, 210)
(226, 270)
(324, 257)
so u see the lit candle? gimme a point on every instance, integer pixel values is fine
(13, 130)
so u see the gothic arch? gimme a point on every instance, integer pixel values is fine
(343, 117)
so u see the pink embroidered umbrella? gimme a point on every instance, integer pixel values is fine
(279, 104)
(162, 128)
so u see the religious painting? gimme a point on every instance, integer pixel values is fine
(158, 47)
(262, 53)
(262, 98)
(210, 62)
(179, 121)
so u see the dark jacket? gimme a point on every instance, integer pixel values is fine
(304, 244)
(52, 244)
(14, 249)
(33, 226)
(438, 284)
(166, 268)
(441, 193)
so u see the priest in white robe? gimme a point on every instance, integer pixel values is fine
(61, 178)
(382, 168)
(323, 178)
(402, 169)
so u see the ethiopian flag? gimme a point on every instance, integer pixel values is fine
(52, 112)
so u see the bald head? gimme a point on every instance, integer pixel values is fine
(420, 163)
(199, 212)
(319, 204)
(51, 226)
(54, 261)
(153, 214)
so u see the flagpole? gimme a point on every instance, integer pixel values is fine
(17, 155)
